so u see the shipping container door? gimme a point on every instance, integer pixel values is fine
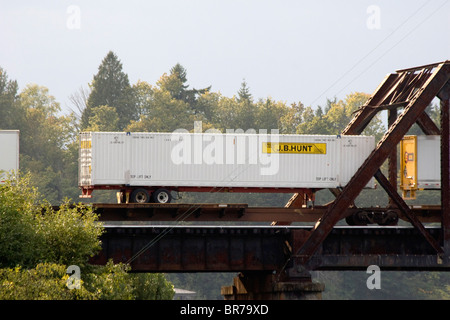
(428, 162)
(85, 160)
(110, 158)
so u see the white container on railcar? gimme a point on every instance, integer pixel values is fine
(220, 160)
(9, 152)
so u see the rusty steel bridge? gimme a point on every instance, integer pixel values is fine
(282, 251)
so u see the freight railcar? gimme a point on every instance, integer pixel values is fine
(147, 167)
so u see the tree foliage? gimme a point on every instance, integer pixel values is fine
(9, 115)
(111, 87)
(37, 244)
(103, 118)
(47, 143)
(32, 231)
(48, 281)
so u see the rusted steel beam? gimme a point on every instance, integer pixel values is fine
(394, 92)
(426, 66)
(445, 169)
(147, 213)
(422, 98)
(366, 113)
(427, 125)
(204, 212)
(392, 159)
(401, 204)
(298, 200)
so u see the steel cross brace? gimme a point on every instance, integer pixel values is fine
(445, 169)
(392, 192)
(412, 111)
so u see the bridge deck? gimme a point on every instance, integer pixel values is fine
(175, 248)
(235, 212)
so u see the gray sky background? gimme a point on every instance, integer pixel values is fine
(289, 50)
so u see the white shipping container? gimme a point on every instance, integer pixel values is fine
(429, 162)
(9, 152)
(171, 160)
(420, 162)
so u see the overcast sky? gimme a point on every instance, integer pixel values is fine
(289, 50)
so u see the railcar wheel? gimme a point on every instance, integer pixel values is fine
(140, 196)
(162, 196)
(360, 218)
(389, 218)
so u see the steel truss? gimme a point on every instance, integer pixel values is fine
(413, 90)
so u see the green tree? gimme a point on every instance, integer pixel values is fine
(313, 122)
(18, 208)
(37, 243)
(47, 281)
(160, 111)
(103, 118)
(244, 93)
(292, 118)
(178, 87)
(111, 87)
(9, 111)
(207, 104)
(32, 231)
(270, 114)
(47, 143)
(151, 286)
(335, 116)
(70, 235)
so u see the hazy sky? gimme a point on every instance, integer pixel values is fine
(289, 50)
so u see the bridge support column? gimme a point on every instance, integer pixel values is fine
(257, 286)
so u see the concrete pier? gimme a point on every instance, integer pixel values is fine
(258, 286)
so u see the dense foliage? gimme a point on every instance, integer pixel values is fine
(37, 243)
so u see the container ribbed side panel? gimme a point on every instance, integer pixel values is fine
(226, 160)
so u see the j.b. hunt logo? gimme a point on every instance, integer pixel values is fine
(290, 147)
(234, 147)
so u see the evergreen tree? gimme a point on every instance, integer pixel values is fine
(244, 93)
(9, 111)
(111, 87)
(181, 73)
(178, 88)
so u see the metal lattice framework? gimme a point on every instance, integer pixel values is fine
(413, 90)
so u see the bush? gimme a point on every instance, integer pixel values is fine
(37, 243)
(31, 231)
(45, 282)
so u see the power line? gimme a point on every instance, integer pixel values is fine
(370, 52)
(396, 44)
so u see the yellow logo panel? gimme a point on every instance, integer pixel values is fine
(293, 147)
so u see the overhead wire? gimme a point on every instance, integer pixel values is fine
(396, 44)
(374, 49)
